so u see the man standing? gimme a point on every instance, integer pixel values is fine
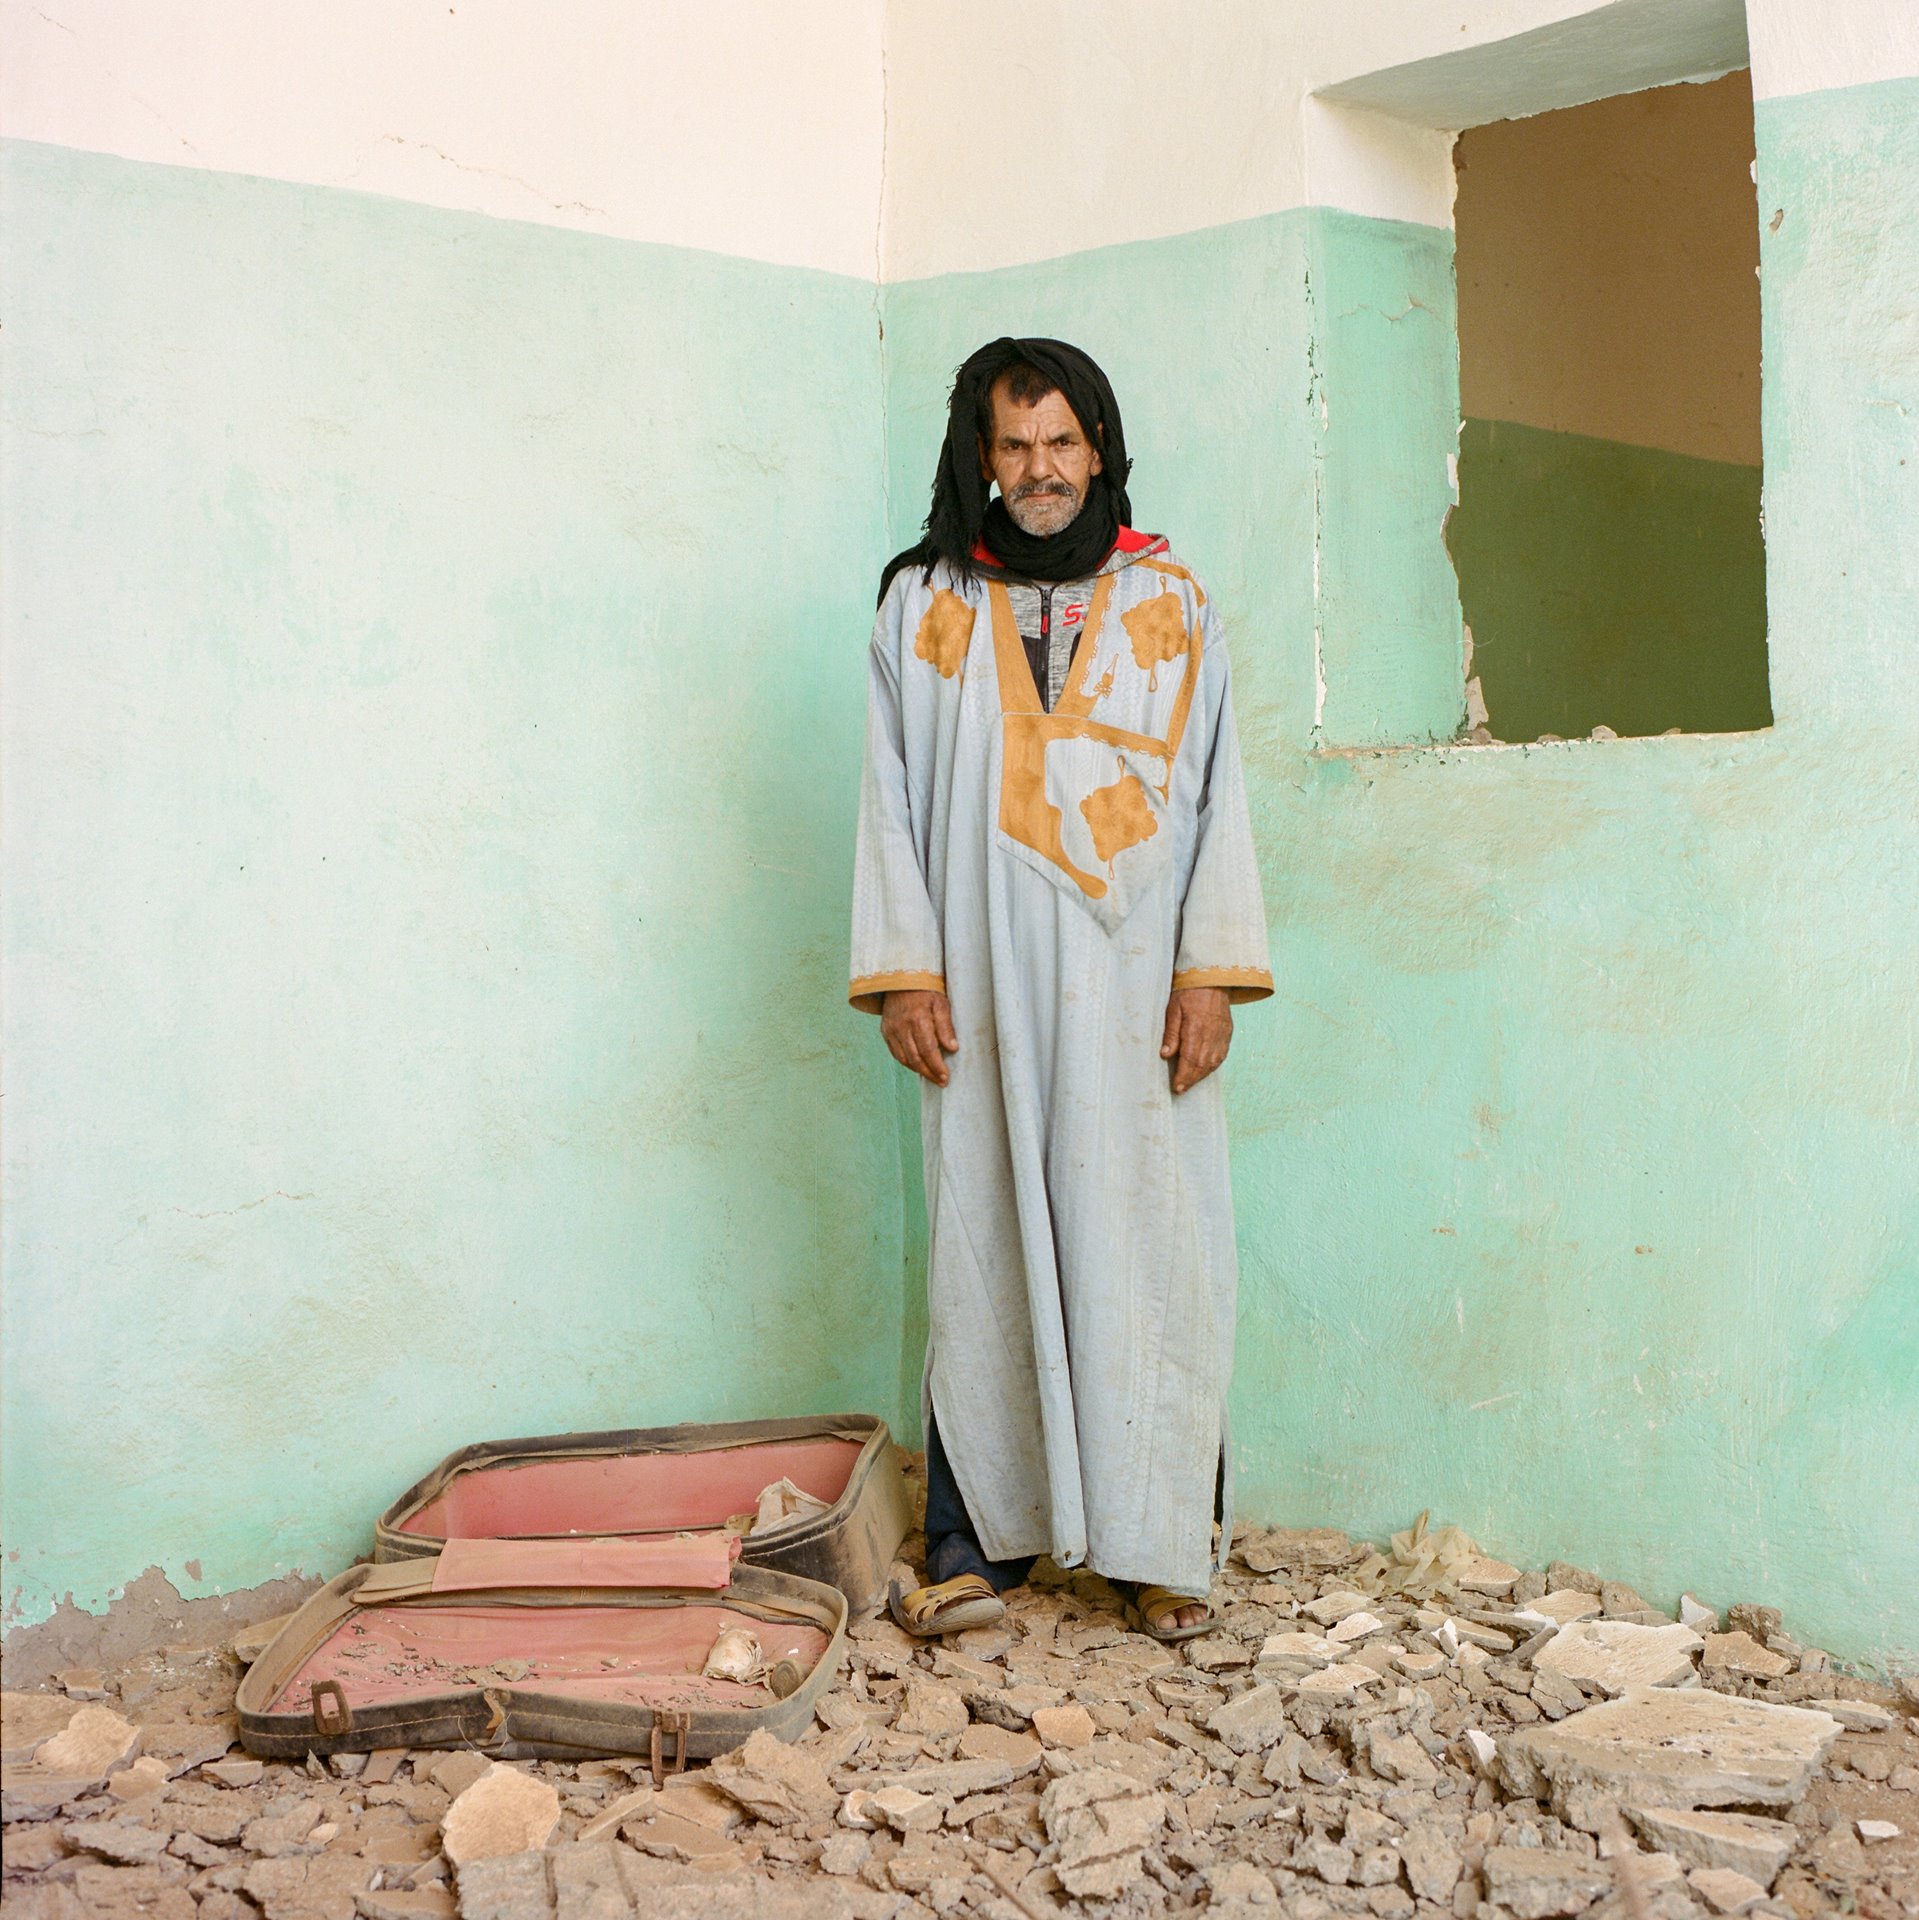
(1055, 903)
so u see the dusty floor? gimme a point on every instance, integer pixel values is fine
(1059, 1765)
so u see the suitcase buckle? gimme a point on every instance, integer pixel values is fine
(336, 1718)
(667, 1720)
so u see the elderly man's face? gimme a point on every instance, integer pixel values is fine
(1040, 458)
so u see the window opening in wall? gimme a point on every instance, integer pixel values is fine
(1607, 537)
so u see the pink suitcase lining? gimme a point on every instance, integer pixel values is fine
(655, 1482)
(638, 1493)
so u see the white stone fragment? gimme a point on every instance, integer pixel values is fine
(1877, 1830)
(1744, 1842)
(1697, 1615)
(1355, 1627)
(1663, 1747)
(1334, 1607)
(1725, 1891)
(1299, 1652)
(1613, 1655)
(1859, 1716)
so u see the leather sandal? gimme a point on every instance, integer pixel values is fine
(1154, 1607)
(953, 1606)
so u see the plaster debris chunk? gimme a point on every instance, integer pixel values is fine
(235, 1773)
(1068, 1726)
(1335, 1682)
(1400, 1757)
(931, 1708)
(1298, 1652)
(956, 1779)
(83, 1683)
(1354, 1628)
(322, 1889)
(587, 1884)
(845, 1854)
(1480, 1573)
(1562, 1607)
(1741, 1653)
(1694, 1613)
(1215, 1652)
(93, 1744)
(1240, 1883)
(453, 1773)
(1657, 1746)
(503, 1812)
(1860, 1716)
(1433, 1864)
(1877, 1830)
(695, 1797)
(1614, 1655)
(1417, 1664)
(1747, 1844)
(28, 1721)
(1251, 1720)
(123, 1841)
(617, 1812)
(506, 1886)
(146, 1776)
(1297, 1549)
(1534, 1884)
(774, 1782)
(1334, 1607)
(404, 1903)
(983, 1741)
(1101, 1821)
(670, 1837)
(897, 1807)
(1724, 1890)
(1325, 1860)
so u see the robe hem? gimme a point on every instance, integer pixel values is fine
(868, 992)
(1241, 983)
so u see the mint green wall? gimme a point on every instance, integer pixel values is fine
(1608, 584)
(1577, 1157)
(433, 688)
(435, 674)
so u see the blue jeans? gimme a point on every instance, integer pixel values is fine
(952, 1547)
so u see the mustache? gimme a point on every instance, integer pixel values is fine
(1031, 489)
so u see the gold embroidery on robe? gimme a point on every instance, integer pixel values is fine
(945, 632)
(1025, 813)
(1157, 629)
(1120, 816)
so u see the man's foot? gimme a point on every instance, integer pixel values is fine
(951, 1606)
(1167, 1615)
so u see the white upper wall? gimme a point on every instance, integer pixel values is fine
(747, 127)
(1023, 129)
(987, 134)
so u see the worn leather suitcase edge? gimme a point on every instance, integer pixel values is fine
(508, 1723)
(850, 1546)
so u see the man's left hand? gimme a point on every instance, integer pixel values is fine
(1199, 1029)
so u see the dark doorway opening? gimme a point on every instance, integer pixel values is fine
(1608, 536)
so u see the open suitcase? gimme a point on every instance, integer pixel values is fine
(546, 1649)
(654, 1481)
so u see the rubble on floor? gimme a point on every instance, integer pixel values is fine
(1416, 1733)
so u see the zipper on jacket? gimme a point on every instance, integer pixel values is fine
(1046, 647)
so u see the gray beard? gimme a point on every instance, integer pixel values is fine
(1045, 514)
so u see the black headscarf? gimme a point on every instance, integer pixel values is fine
(961, 514)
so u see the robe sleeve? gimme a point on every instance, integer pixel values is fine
(897, 945)
(1222, 928)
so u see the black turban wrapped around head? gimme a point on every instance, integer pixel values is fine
(963, 510)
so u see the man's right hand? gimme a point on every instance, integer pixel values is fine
(918, 1030)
